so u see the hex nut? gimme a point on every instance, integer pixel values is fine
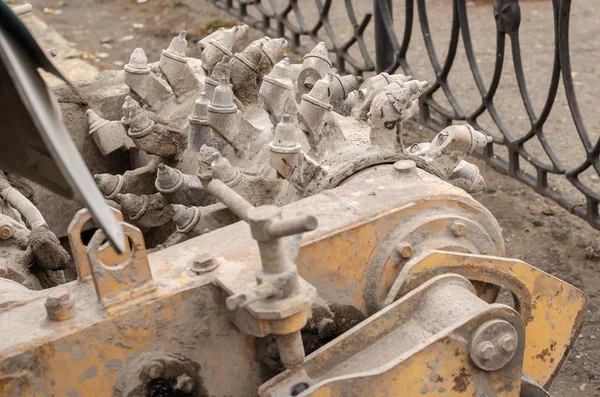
(486, 350)
(458, 228)
(507, 343)
(203, 263)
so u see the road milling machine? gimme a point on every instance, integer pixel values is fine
(278, 239)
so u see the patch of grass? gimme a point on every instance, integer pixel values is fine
(215, 24)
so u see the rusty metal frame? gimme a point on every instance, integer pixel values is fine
(391, 56)
(552, 309)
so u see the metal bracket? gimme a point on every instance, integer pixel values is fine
(117, 280)
(395, 350)
(78, 249)
(552, 309)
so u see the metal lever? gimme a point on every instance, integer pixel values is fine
(262, 291)
(278, 280)
(236, 203)
(291, 226)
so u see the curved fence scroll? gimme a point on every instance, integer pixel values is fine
(391, 51)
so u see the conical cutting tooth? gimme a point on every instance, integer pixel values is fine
(168, 179)
(146, 210)
(245, 74)
(109, 185)
(178, 45)
(148, 86)
(185, 218)
(315, 66)
(138, 121)
(138, 62)
(174, 66)
(109, 136)
(223, 170)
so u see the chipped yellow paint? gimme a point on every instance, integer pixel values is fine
(338, 264)
(436, 364)
(86, 362)
(557, 308)
(430, 372)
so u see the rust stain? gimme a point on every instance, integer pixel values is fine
(542, 356)
(559, 291)
(461, 382)
(508, 387)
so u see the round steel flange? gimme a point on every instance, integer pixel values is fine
(493, 345)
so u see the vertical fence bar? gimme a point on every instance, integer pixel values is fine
(383, 48)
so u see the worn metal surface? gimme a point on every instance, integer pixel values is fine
(287, 19)
(183, 321)
(278, 295)
(94, 344)
(425, 207)
(551, 309)
(417, 346)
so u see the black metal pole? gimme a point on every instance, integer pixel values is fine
(383, 49)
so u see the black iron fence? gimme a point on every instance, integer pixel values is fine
(581, 196)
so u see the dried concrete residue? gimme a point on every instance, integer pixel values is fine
(46, 247)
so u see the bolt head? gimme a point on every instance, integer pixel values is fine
(59, 306)
(458, 228)
(507, 343)
(405, 166)
(203, 263)
(486, 350)
(405, 250)
(6, 231)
